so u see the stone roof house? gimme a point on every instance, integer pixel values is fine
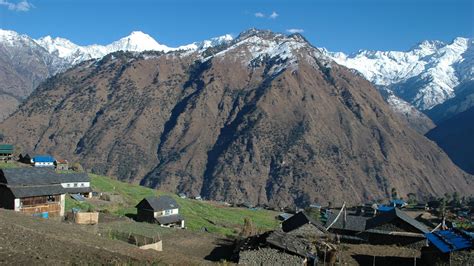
(163, 210)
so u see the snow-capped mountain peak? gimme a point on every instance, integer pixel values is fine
(137, 41)
(424, 76)
(63, 47)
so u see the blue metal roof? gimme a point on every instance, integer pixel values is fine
(450, 240)
(43, 159)
(384, 208)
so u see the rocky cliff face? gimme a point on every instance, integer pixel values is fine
(266, 119)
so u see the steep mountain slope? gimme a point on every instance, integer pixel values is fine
(463, 100)
(424, 76)
(415, 118)
(266, 119)
(23, 65)
(454, 136)
(25, 62)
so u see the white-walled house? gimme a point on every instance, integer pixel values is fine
(43, 161)
(163, 210)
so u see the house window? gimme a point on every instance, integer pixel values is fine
(75, 184)
(168, 212)
(82, 184)
(51, 199)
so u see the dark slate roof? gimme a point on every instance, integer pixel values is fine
(389, 216)
(161, 203)
(300, 219)
(355, 223)
(28, 176)
(451, 240)
(169, 219)
(74, 177)
(40, 190)
(289, 243)
(38, 176)
(74, 190)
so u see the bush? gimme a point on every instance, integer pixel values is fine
(77, 167)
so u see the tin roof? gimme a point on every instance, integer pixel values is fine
(451, 240)
(6, 148)
(43, 159)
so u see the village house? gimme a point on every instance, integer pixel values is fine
(395, 227)
(303, 225)
(32, 191)
(76, 183)
(43, 161)
(163, 210)
(449, 247)
(62, 165)
(6, 152)
(40, 191)
(391, 227)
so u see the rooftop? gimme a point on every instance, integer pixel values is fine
(29, 176)
(395, 213)
(451, 240)
(158, 204)
(43, 159)
(348, 222)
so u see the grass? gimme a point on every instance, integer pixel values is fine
(4, 165)
(197, 214)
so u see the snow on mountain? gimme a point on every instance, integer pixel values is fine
(137, 41)
(424, 76)
(195, 46)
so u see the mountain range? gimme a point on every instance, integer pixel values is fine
(425, 76)
(264, 118)
(26, 62)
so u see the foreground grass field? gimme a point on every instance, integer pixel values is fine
(213, 216)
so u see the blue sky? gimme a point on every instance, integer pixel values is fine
(339, 25)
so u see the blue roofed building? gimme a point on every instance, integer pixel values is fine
(43, 161)
(449, 247)
(385, 208)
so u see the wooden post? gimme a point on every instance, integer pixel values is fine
(373, 261)
(324, 262)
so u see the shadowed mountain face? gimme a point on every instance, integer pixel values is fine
(266, 119)
(454, 136)
(463, 100)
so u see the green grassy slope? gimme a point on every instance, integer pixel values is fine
(197, 214)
